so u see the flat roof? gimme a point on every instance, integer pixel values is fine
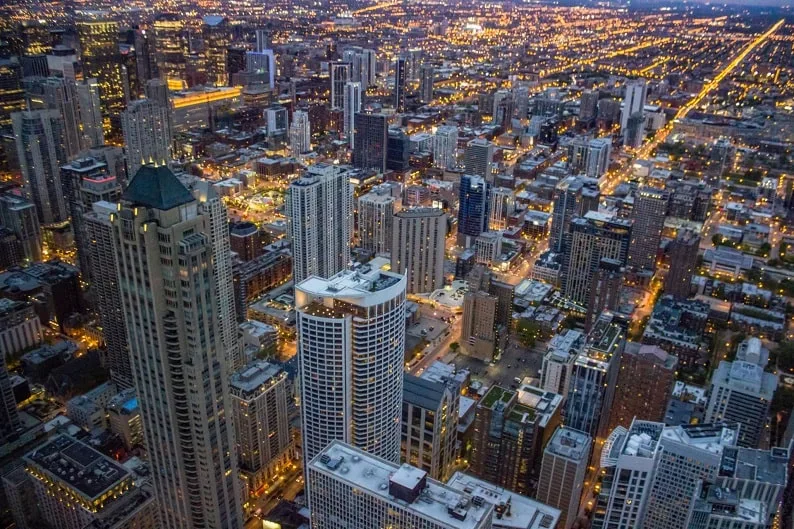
(712, 438)
(255, 375)
(569, 443)
(365, 286)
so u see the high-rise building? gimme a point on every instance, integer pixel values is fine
(20, 329)
(634, 131)
(260, 401)
(427, 78)
(445, 147)
(375, 218)
(99, 53)
(690, 454)
(363, 65)
(430, 424)
(628, 461)
(164, 246)
(19, 215)
(502, 207)
(510, 430)
(741, 391)
(633, 101)
(481, 335)
(591, 238)
(588, 106)
(147, 135)
(561, 352)
(645, 383)
(348, 487)
(398, 150)
(39, 137)
(605, 290)
(300, 133)
(351, 346)
(91, 121)
(217, 37)
(473, 206)
(400, 77)
(77, 487)
(371, 138)
(650, 209)
(351, 107)
(9, 417)
(563, 471)
(417, 248)
(319, 208)
(573, 197)
(479, 158)
(105, 288)
(593, 376)
(263, 62)
(171, 48)
(589, 156)
(53, 93)
(12, 95)
(683, 256)
(340, 76)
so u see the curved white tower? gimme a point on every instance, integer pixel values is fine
(351, 346)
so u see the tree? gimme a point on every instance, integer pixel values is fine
(454, 346)
(528, 332)
(785, 356)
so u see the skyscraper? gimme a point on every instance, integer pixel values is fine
(12, 95)
(501, 208)
(39, 137)
(171, 47)
(19, 215)
(319, 207)
(589, 156)
(166, 256)
(217, 37)
(588, 106)
(9, 417)
(427, 78)
(400, 74)
(683, 253)
(633, 101)
(262, 61)
(99, 53)
(574, 196)
(605, 290)
(650, 209)
(478, 159)
(375, 218)
(91, 121)
(563, 471)
(473, 204)
(371, 137)
(53, 93)
(352, 106)
(645, 383)
(300, 134)
(147, 135)
(629, 461)
(417, 248)
(351, 345)
(340, 76)
(591, 238)
(445, 147)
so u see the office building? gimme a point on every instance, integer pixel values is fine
(510, 430)
(502, 207)
(260, 401)
(52, 93)
(591, 238)
(634, 132)
(478, 159)
(351, 346)
(628, 461)
(645, 384)
(12, 95)
(371, 138)
(147, 134)
(99, 53)
(375, 219)
(217, 37)
(400, 77)
(445, 147)
(589, 156)
(349, 487)
(562, 472)
(364, 65)
(573, 197)
(741, 391)
(417, 248)
(605, 290)
(558, 359)
(300, 133)
(588, 106)
(473, 206)
(683, 256)
(17, 327)
(39, 138)
(650, 210)
(352, 106)
(481, 336)
(77, 487)
(171, 48)
(18, 214)
(91, 121)
(430, 424)
(124, 418)
(262, 62)
(593, 377)
(163, 240)
(691, 454)
(427, 76)
(340, 76)
(20, 494)
(319, 208)
(636, 94)
(398, 151)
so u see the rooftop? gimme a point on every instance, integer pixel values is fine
(421, 392)
(255, 377)
(711, 438)
(156, 187)
(365, 286)
(569, 443)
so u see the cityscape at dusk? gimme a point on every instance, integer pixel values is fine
(396, 264)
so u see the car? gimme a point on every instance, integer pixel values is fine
(517, 380)
(509, 366)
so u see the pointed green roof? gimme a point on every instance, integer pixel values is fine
(156, 187)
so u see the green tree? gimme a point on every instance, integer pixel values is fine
(528, 332)
(454, 347)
